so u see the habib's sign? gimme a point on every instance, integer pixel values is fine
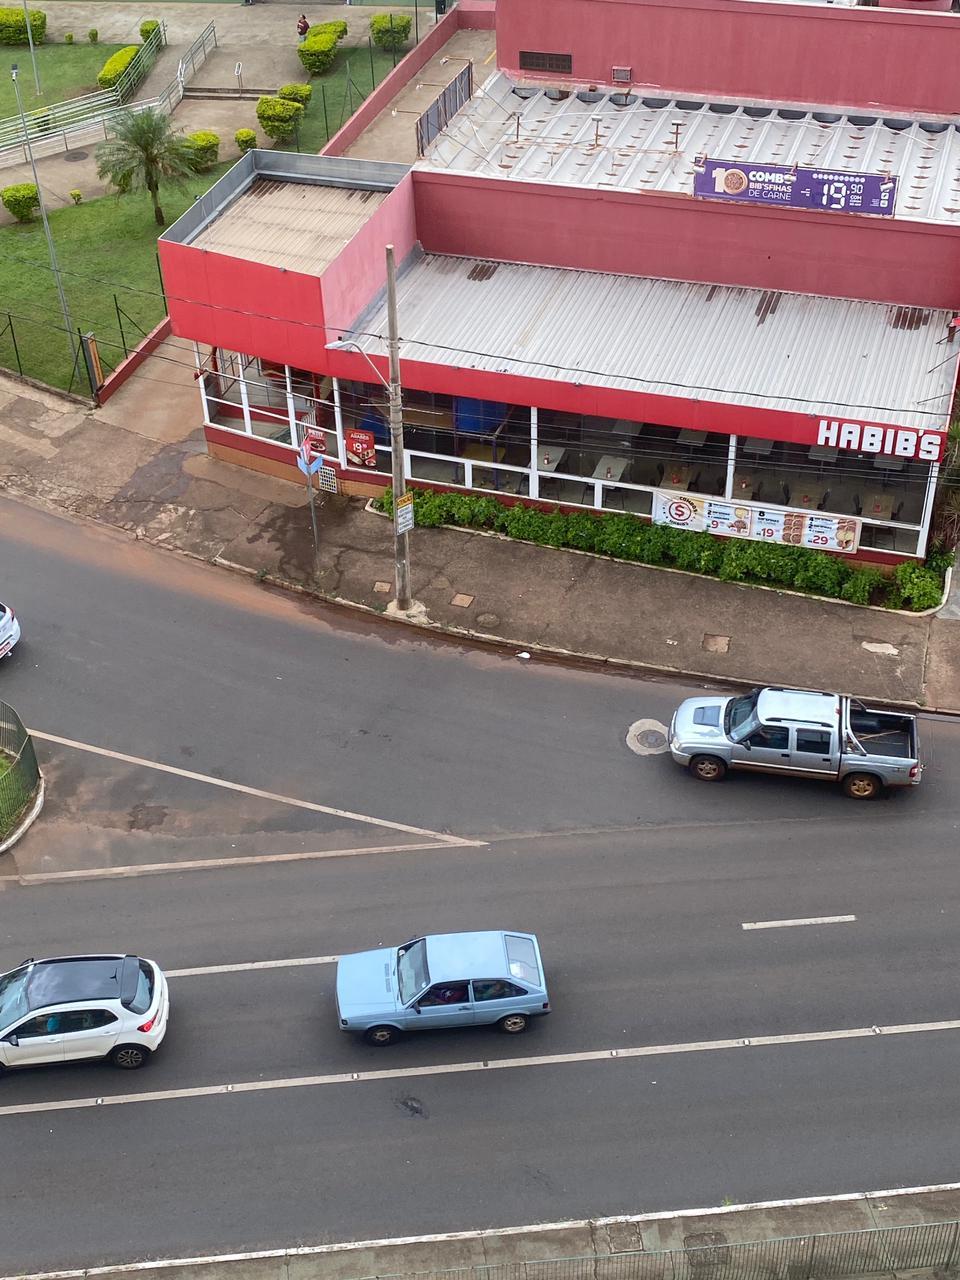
(899, 442)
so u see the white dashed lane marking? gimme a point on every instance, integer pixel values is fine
(792, 924)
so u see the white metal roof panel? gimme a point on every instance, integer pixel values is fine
(297, 225)
(798, 704)
(782, 351)
(598, 143)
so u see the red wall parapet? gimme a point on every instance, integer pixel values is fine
(890, 59)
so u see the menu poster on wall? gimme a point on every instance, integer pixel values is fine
(833, 190)
(361, 447)
(794, 528)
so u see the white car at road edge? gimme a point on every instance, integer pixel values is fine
(9, 629)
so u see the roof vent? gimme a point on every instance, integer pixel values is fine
(622, 75)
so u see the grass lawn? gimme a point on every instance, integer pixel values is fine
(113, 239)
(66, 71)
(338, 93)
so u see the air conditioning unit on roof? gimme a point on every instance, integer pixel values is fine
(622, 75)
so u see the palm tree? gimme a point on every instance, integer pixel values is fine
(144, 149)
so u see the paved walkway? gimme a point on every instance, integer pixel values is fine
(140, 463)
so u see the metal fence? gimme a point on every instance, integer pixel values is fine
(19, 771)
(444, 107)
(710, 1257)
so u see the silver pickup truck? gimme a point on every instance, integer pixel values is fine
(799, 733)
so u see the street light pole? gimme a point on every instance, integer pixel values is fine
(55, 266)
(401, 548)
(33, 55)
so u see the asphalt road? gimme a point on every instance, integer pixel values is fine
(637, 879)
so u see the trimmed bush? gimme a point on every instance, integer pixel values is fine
(318, 51)
(93, 35)
(301, 93)
(245, 139)
(913, 586)
(116, 65)
(147, 28)
(68, 38)
(13, 27)
(337, 29)
(206, 149)
(279, 119)
(21, 199)
(390, 31)
(76, 196)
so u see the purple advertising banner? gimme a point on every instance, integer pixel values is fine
(794, 187)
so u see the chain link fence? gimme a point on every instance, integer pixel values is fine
(871, 1251)
(19, 771)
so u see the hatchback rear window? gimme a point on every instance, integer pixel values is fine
(523, 959)
(142, 997)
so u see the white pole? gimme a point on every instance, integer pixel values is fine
(401, 548)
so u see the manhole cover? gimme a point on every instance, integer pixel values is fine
(648, 737)
(71, 156)
(488, 619)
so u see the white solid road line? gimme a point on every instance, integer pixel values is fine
(792, 924)
(485, 1233)
(463, 1068)
(252, 964)
(252, 791)
(209, 864)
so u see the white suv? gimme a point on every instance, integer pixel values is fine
(9, 629)
(75, 1007)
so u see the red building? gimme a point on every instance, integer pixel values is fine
(694, 259)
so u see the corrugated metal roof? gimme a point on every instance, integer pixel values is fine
(637, 147)
(782, 351)
(297, 225)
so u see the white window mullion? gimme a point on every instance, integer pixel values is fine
(534, 485)
(338, 423)
(291, 408)
(731, 467)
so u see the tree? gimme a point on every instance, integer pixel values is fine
(144, 149)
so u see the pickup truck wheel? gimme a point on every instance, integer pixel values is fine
(862, 786)
(707, 768)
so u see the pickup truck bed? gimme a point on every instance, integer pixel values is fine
(884, 733)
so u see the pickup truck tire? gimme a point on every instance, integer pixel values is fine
(862, 786)
(707, 768)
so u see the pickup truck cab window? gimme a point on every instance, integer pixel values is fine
(814, 741)
(770, 737)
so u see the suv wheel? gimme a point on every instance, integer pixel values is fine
(129, 1056)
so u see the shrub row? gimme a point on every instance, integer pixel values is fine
(116, 65)
(913, 586)
(20, 200)
(319, 49)
(390, 31)
(279, 118)
(13, 26)
(245, 139)
(206, 149)
(301, 93)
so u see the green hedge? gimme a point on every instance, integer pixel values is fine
(21, 199)
(301, 93)
(245, 139)
(279, 119)
(390, 31)
(913, 586)
(318, 51)
(206, 149)
(13, 27)
(147, 28)
(116, 65)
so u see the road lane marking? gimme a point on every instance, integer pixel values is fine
(792, 924)
(252, 791)
(465, 1068)
(482, 1233)
(201, 970)
(206, 864)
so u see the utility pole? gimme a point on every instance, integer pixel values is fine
(55, 266)
(33, 53)
(401, 548)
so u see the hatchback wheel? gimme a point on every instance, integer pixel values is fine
(381, 1036)
(514, 1023)
(129, 1056)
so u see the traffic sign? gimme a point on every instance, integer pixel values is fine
(309, 468)
(403, 513)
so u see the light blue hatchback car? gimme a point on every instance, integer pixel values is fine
(444, 980)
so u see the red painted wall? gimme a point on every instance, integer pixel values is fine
(359, 273)
(734, 48)
(245, 306)
(677, 237)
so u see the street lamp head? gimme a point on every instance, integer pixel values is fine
(13, 71)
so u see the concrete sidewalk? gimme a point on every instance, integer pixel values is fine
(139, 463)
(781, 1240)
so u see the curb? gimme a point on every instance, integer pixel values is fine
(28, 819)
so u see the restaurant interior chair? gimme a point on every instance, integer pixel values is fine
(857, 505)
(660, 472)
(822, 504)
(757, 494)
(694, 485)
(785, 489)
(897, 511)
(720, 487)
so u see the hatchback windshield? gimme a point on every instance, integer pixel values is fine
(13, 997)
(741, 715)
(412, 972)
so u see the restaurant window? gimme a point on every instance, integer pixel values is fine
(534, 61)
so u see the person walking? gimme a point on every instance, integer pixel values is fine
(303, 26)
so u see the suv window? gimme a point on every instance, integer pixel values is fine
(143, 996)
(86, 1020)
(770, 737)
(496, 989)
(45, 1024)
(815, 741)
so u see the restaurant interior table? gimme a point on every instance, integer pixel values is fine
(549, 457)
(610, 468)
(676, 475)
(878, 506)
(745, 485)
